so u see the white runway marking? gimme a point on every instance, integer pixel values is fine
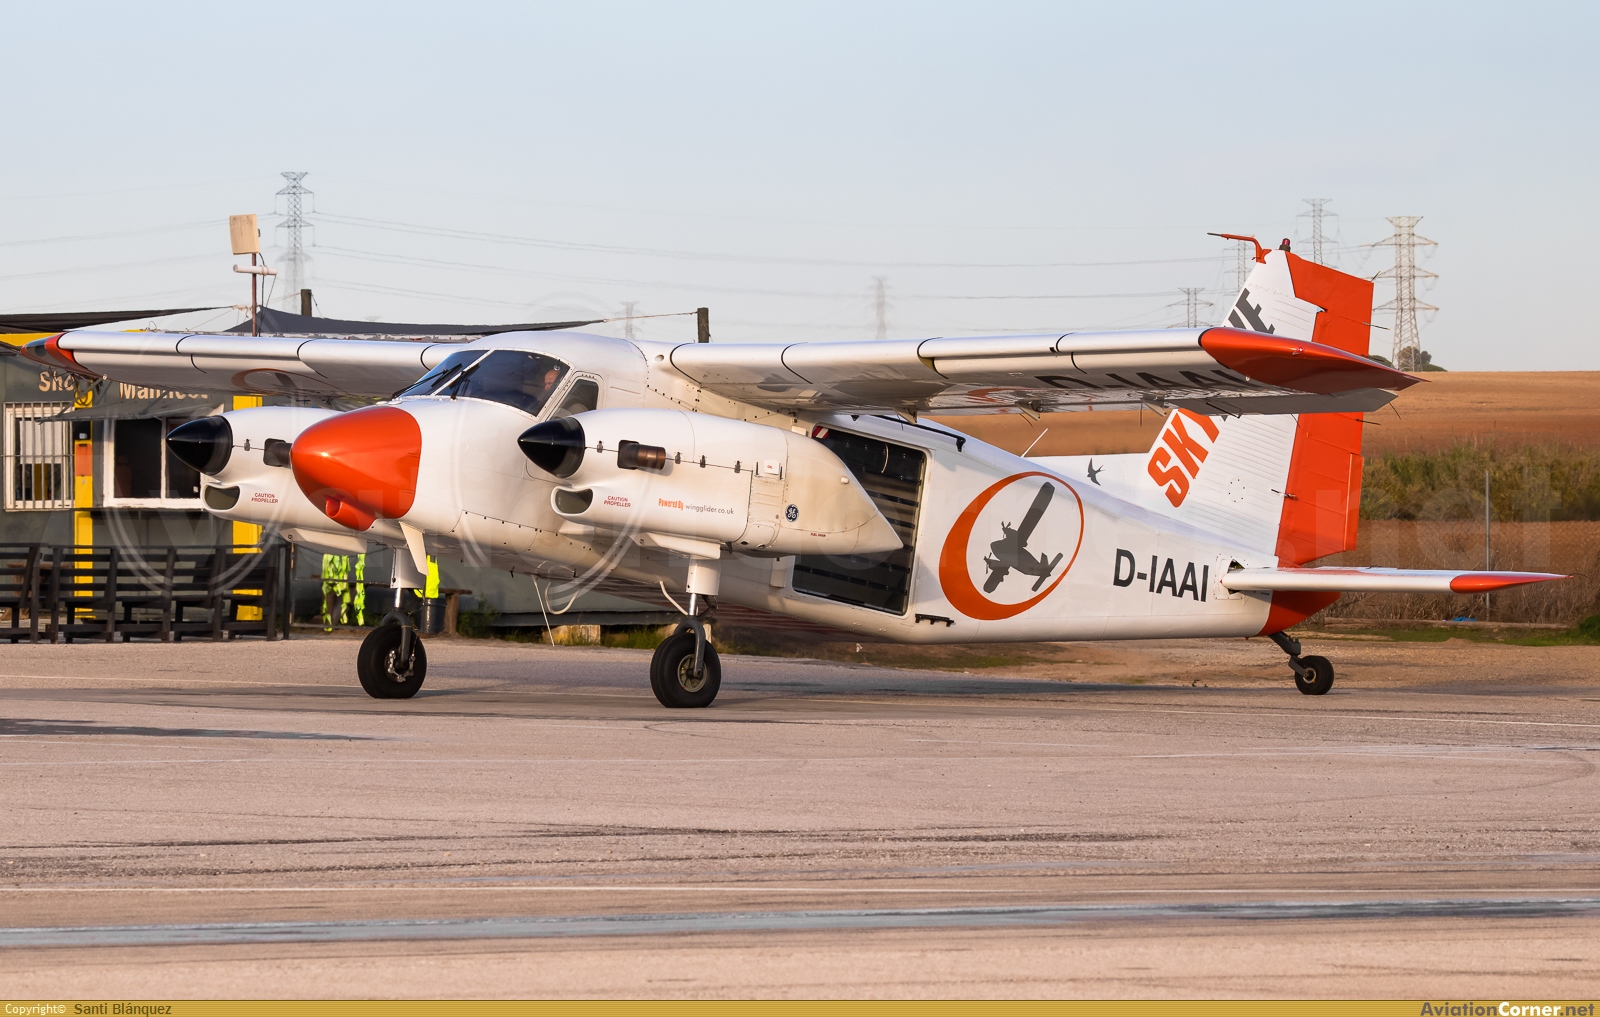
(725, 888)
(778, 921)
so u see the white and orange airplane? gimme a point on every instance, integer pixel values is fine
(799, 480)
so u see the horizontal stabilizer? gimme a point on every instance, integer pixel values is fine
(1375, 580)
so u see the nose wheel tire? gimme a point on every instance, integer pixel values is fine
(383, 674)
(672, 676)
(1318, 678)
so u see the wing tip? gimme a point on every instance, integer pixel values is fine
(1293, 362)
(1487, 582)
(48, 352)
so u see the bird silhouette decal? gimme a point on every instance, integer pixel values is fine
(1094, 474)
(1010, 553)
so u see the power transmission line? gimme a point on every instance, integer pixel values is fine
(1407, 353)
(294, 221)
(402, 259)
(880, 305)
(147, 231)
(503, 238)
(1243, 256)
(627, 318)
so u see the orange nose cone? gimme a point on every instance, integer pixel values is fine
(361, 465)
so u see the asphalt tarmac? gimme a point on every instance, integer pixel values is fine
(1147, 819)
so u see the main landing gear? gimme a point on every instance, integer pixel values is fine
(685, 672)
(1313, 675)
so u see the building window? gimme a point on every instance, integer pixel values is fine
(38, 456)
(143, 470)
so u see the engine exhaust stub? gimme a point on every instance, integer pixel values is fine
(633, 456)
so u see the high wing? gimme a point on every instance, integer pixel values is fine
(232, 363)
(1212, 370)
(1208, 370)
(1378, 580)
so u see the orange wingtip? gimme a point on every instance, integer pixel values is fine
(1295, 363)
(1484, 582)
(48, 353)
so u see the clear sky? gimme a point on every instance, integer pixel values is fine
(772, 161)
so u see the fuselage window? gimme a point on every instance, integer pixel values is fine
(523, 380)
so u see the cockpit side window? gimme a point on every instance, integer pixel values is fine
(523, 380)
(583, 396)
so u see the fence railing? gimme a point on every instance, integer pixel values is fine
(57, 593)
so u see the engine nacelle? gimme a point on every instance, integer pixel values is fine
(244, 457)
(693, 483)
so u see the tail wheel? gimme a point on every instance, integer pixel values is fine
(1318, 678)
(672, 676)
(383, 674)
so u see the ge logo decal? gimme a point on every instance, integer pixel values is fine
(792, 513)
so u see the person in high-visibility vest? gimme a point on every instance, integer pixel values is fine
(335, 589)
(431, 620)
(358, 588)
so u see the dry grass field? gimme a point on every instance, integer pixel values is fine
(1509, 408)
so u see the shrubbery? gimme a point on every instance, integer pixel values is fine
(1531, 483)
(478, 622)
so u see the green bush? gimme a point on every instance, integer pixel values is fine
(1531, 483)
(477, 623)
(1589, 628)
(635, 638)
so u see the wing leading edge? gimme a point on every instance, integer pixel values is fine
(231, 363)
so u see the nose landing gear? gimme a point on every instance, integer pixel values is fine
(391, 662)
(1313, 675)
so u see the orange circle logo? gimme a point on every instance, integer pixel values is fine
(1010, 557)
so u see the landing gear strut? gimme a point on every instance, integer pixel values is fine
(391, 662)
(685, 672)
(1313, 675)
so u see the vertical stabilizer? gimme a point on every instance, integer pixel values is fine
(1288, 484)
(1321, 493)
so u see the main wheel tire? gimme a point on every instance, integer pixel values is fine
(1320, 678)
(672, 674)
(382, 675)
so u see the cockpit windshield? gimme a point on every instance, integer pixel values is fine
(523, 380)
